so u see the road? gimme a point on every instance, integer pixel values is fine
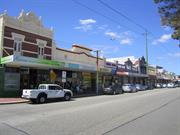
(152, 112)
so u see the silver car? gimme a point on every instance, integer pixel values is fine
(129, 88)
(171, 85)
(139, 87)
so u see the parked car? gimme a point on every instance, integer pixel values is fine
(46, 91)
(113, 89)
(139, 87)
(129, 88)
(158, 85)
(171, 85)
(177, 85)
(164, 85)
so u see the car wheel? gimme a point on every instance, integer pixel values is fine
(121, 92)
(41, 99)
(67, 97)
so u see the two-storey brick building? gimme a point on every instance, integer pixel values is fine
(28, 55)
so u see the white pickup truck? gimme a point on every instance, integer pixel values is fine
(46, 91)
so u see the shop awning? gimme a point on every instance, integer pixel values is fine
(18, 60)
(131, 74)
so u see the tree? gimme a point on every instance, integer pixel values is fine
(169, 11)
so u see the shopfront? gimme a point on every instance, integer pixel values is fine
(22, 72)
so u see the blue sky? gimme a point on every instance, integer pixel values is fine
(75, 24)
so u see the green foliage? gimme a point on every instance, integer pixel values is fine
(169, 11)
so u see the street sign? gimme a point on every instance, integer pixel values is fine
(63, 80)
(53, 75)
(63, 76)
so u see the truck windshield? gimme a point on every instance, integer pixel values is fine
(42, 87)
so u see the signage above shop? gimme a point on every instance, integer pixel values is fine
(6, 59)
(29, 60)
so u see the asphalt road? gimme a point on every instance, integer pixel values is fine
(153, 112)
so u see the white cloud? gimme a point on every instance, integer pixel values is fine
(123, 38)
(177, 55)
(164, 38)
(84, 27)
(112, 35)
(86, 24)
(87, 21)
(126, 41)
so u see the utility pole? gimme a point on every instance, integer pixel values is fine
(97, 72)
(146, 45)
(147, 62)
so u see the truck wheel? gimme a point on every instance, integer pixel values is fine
(67, 97)
(33, 100)
(41, 99)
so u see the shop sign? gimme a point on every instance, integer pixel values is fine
(6, 59)
(87, 67)
(107, 70)
(151, 71)
(40, 61)
(122, 73)
(74, 66)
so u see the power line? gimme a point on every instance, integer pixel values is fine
(108, 18)
(121, 14)
(130, 20)
(116, 22)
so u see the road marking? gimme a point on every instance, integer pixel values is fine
(15, 128)
(154, 110)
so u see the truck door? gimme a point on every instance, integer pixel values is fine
(59, 91)
(52, 92)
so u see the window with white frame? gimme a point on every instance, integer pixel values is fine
(17, 45)
(41, 51)
(41, 45)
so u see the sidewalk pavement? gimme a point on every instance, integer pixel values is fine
(12, 101)
(4, 101)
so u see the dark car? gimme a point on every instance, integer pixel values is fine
(113, 89)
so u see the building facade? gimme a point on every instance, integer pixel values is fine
(28, 57)
(130, 70)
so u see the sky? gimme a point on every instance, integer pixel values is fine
(99, 28)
